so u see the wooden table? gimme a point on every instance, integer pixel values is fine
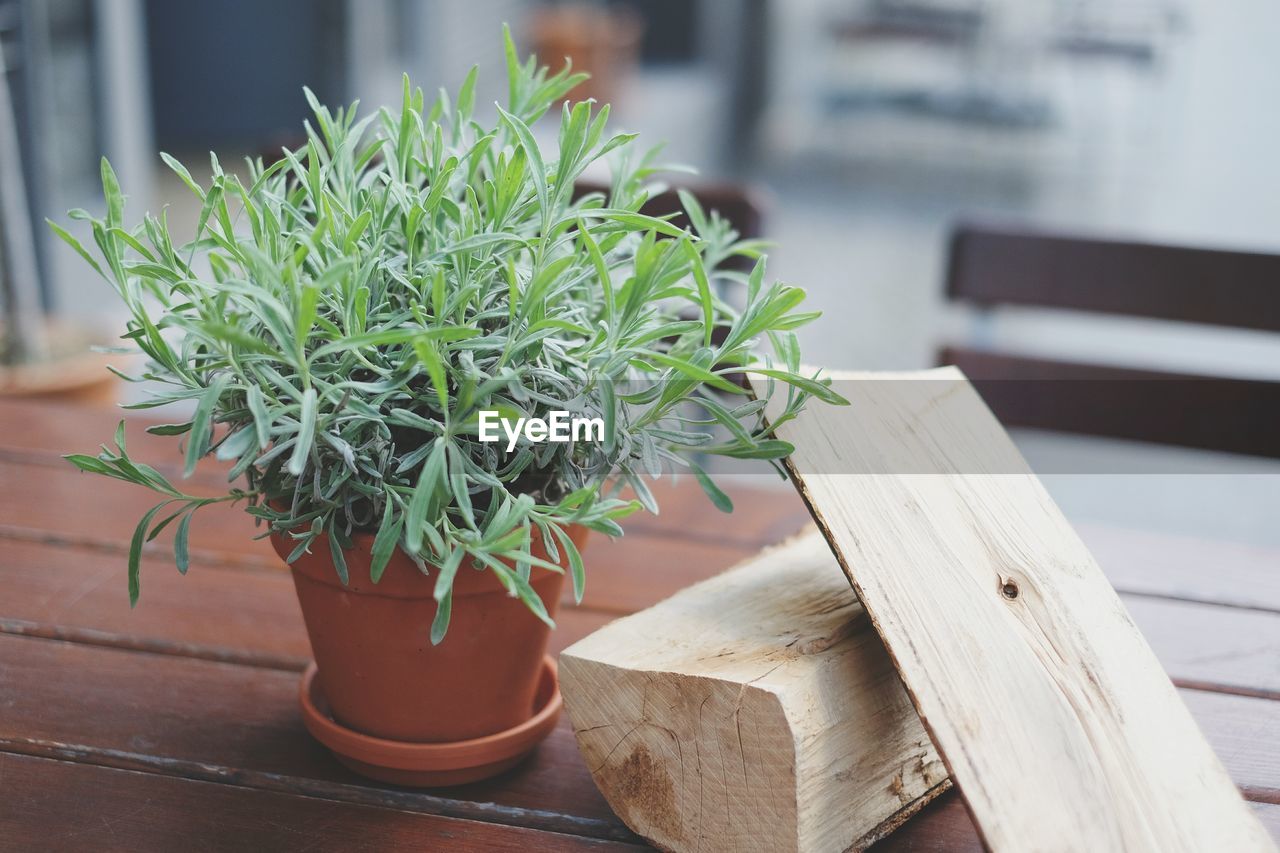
(175, 725)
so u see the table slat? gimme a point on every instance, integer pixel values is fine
(944, 826)
(54, 805)
(252, 615)
(232, 723)
(230, 630)
(223, 722)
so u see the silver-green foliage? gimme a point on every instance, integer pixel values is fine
(360, 301)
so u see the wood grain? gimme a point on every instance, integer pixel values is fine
(240, 725)
(756, 711)
(1228, 649)
(58, 584)
(1001, 265)
(250, 615)
(38, 434)
(944, 826)
(213, 612)
(1186, 567)
(1053, 715)
(55, 805)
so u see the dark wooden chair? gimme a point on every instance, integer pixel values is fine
(990, 267)
(741, 206)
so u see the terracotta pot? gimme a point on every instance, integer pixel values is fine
(432, 764)
(603, 42)
(378, 671)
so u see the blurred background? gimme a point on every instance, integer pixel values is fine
(861, 131)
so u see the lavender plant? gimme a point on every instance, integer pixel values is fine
(340, 319)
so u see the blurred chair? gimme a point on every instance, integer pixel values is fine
(740, 206)
(991, 267)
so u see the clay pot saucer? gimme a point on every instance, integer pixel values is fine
(430, 765)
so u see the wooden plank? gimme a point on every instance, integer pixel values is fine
(761, 516)
(1245, 734)
(1269, 814)
(1205, 644)
(1019, 266)
(55, 805)
(250, 615)
(641, 568)
(62, 503)
(240, 725)
(1125, 403)
(1137, 561)
(944, 826)
(1053, 715)
(53, 428)
(624, 575)
(1187, 567)
(38, 434)
(213, 612)
(754, 711)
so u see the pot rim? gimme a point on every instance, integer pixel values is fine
(447, 755)
(402, 577)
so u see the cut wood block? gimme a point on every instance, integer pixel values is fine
(1056, 721)
(756, 710)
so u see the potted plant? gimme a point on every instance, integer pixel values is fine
(350, 326)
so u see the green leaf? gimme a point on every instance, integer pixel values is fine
(430, 359)
(356, 231)
(440, 624)
(602, 271)
(718, 497)
(704, 290)
(635, 220)
(111, 191)
(75, 244)
(92, 464)
(237, 444)
(394, 336)
(306, 315)
(339, 557)
(693, 371)
(306, 433)
(180, 552)
(811, 386)
(182, 173)
(202, 422)
(531, 150)
(576, 569)
(384, 544)
(609, 413)
(428, 481)
(169, 429)
(135, 551)
(767, 449)
(261, 420)
(513, 69)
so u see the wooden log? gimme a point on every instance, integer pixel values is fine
(756, 710)
(1053, 715)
